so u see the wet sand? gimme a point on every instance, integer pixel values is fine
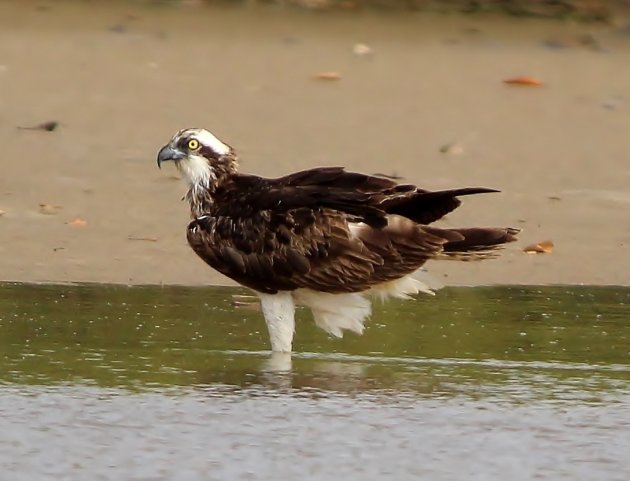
(122, 79)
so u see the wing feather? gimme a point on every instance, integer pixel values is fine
(301, 230)
(322, 256)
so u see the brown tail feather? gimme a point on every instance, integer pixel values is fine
(478, 243)
(426, 207)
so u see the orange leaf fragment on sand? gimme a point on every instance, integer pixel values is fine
(544, 247)
(328, 76)
(78, 222)
(523, 80)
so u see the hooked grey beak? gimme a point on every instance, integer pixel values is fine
(169, 153)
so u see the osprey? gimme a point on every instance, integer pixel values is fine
(324, 237)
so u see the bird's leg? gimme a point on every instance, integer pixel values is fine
(279, 312)
(278, 363)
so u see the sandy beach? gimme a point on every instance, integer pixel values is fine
(425, 100)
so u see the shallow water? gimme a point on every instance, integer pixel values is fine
(148, 383)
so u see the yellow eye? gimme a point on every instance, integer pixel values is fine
(193, 144)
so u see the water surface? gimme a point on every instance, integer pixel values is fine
(147, 383)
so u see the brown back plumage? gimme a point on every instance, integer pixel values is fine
(328, 230)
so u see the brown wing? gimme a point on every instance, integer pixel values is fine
(425, 207)
(324, 187)
(324, 229)
(368, 197)
(304, 248)
(284, 250)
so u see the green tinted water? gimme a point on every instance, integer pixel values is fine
(104, 382)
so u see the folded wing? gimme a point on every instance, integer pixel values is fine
(329, 230)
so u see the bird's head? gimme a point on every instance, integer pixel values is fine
(201, 158)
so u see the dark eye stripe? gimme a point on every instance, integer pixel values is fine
(183, 143)
(208, 153)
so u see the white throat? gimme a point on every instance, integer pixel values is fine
(196, 171)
